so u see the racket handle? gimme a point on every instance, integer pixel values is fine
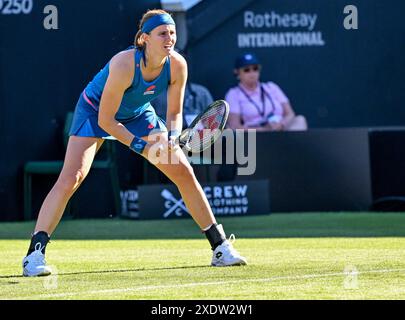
(183, 137)
(183, 144)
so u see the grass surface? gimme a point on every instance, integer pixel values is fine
(291, 256)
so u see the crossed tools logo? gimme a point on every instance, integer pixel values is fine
(173, 205)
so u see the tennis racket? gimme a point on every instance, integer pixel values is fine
(206, 128)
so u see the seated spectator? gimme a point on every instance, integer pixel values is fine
(259, 105)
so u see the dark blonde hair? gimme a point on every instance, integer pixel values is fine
(138, 42)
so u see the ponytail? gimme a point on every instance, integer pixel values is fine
(138, 42)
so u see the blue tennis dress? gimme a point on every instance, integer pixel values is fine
(135, 112)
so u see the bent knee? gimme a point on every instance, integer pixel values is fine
(303, 121)
(70, 181)
(301, 118)
(299, 123)
(182, 173)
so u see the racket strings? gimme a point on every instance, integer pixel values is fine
(208, 128)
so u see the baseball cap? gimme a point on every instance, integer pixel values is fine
(246, 59)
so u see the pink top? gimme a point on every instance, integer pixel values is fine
(250, 113)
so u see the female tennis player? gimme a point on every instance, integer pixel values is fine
(116, 104)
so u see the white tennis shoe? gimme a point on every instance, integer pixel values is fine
(226, 255)
(34, 264)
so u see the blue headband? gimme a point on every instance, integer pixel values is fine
(156, 21)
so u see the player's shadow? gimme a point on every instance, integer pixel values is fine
(115, 271)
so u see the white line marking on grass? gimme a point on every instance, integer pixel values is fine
(195, 284)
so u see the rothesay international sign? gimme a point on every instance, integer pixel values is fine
(274, 29)
(226, 199)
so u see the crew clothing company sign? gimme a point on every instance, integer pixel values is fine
(226, 199)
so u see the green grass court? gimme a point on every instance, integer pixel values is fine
(291, 256)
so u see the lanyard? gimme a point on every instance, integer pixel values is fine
(262, 110)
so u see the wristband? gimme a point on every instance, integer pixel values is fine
(138, 145)
(173, 133)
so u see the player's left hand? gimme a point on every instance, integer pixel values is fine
(173, 145)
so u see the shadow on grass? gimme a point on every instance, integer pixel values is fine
(114, 271)
(297, 225)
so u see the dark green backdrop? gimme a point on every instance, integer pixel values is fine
(354, 80)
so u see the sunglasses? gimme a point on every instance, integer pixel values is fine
(252, 68)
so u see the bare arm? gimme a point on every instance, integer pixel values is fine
(288, 114)
(120, 78)
(234, 121)
(175, 93)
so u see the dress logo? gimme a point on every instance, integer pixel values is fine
(149, 90)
